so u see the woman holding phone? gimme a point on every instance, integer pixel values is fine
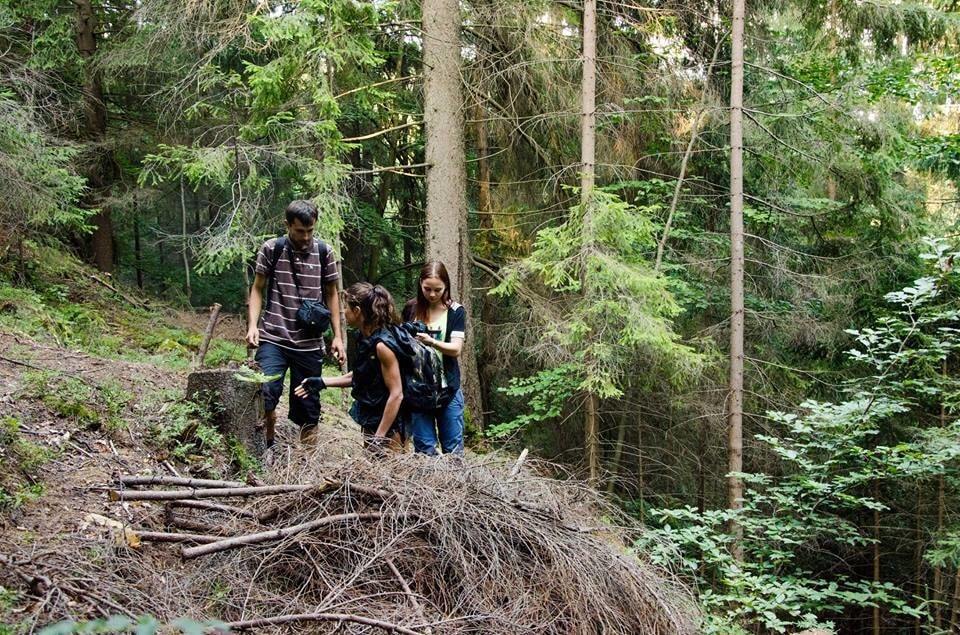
(446, 322)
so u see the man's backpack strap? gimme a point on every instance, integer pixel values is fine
(278, 247)
(323, 270)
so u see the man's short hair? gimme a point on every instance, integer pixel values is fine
(302, 210)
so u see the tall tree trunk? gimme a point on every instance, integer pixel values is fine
(876, 555)
(137, 251)
(95, 124)
(938, 590)
(484, 205)
(617, 452)
(641, 475)
(678, 186)
(588, 154)
(447, 229)
(735, 398)
(183, 229)
(918, 556)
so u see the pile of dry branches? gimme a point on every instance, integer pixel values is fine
(407, 544)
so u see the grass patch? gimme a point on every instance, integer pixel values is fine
(20, 460)
(60, 301)
(89, 405)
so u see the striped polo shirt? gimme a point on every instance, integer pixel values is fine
(278, 323)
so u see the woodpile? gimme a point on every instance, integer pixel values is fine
(405, 544)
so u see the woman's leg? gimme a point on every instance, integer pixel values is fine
(450, 425)
(423, 431)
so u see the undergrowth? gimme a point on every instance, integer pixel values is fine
(20, 466)
(183, 429)
(56, 298)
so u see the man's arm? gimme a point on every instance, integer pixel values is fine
(254, 308)
(332, 297)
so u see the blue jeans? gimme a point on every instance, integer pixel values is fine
(448, 422)
(275, 360)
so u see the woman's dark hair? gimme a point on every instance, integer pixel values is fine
(303, 211)
(375, 304)
(432, 269)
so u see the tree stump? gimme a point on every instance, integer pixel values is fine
(236, 407)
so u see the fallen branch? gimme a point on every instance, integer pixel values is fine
(321, 617)
(134, 302)
(162, 536)
(177, 480)
(214, 507)
(177, 494)
(330, 484)
(274, 534)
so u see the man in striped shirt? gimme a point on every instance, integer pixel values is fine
(282, 344)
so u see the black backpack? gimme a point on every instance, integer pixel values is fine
(420, 372)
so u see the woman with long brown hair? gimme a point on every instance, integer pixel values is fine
(446, 322)
(377, 389)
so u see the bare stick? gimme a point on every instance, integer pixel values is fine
(177, 480)
(162, 536)
(321, 617)
(215, 507)
(179, 494)
(516, 466)
(208, 335)
(275, 534)
(410, 595)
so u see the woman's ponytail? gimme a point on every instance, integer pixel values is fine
(375, 304)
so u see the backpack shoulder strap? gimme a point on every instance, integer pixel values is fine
(278, 246)
(322, 249)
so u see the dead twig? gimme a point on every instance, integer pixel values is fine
(274, 534)
(322, 617)
(132, 481)
(225, 492)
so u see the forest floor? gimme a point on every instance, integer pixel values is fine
(92, 388)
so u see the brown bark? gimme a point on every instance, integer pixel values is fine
(160, 536)
(918, 556)
(484, 204)
(208, 335)
(274, 534)
(617, 452)
(137, 252)
(592, 439)
(214, 507)
(183, 232)
(95, 124)
(220, 492)
(447, 237)
(588, 97)
(735, 397)
(876, 557)
(132, 481)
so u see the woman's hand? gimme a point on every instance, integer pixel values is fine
(309, 386)
(427, 339)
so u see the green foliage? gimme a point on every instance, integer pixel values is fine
(184, 428)
(87, 404)
(20, 459)
(545, 396)
(833, 458)
(247, 374)
(615, 309)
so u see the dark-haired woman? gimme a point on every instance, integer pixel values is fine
(377, 389)
(447, 322)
